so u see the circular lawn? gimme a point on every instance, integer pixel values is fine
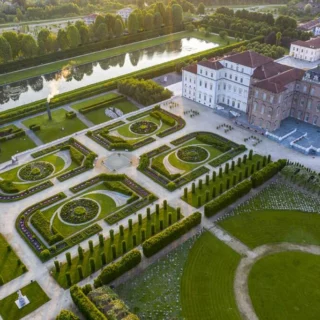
(286, 286)
(192, 154)
(143, 127)
(36, 171)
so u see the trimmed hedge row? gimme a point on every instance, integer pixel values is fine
(266, 173)
(76, 155)
(172, 233)
(227, 198)
(8, 186)
(163, 117)
(42, 225)
(15, 134)
(108, 85)
(117, 269)
(103, 104)
(84, 304)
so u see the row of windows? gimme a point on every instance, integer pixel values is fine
(231, 77)
(264, 109)
(264, 96)
(306, 118)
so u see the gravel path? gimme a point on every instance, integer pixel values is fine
(170, 167)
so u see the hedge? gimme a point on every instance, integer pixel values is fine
(42, 225)
(163, 117)
(227, 198)
(76, 155)
(15, 134)
(8, 186)
(108, 85)
(103, 104)
(71, 115)
(172, 233)
(266, 173)
(117, 269)
(85, 306)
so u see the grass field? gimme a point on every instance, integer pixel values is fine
(14, 146)
(155, 297)
(52, 130)
(286, 286)
(9, 268)
(128, 234)
(277, 214)
(207, 281)
(52, 67)
(99, 116)
(36, 296)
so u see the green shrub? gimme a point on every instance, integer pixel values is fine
(162, 239)
(115, 270)
(66, 315)
(42, 225)
(8, 186)
(76, 155)
(226, 199)
(71, 115)
(85, 306)
(266, 173)
(163, 117)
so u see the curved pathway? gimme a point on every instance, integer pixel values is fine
(172, 169)
(241, 289)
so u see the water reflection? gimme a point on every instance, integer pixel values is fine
(22, 92)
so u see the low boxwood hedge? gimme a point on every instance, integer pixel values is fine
(102, 104)
(76, 155)
(42, 225)
(84, 304)
(8, 186)
(117, 269)
(266, 173)
(172, 233)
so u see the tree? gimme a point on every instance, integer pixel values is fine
(98, 21)
(159, 7)
(29, 46)
(118, 28)
(19, 14)
(308, 8)
(157, 20)
(223, 34)
(271, 38)
(110, 20)
(66, 315)
(73, 36)
(148, 22)
(42, 39)
(102, 31)
(140, 4)
(201, 8)
(62, 39)
(177, 14)
(12, 38)
(278, 38)
(133, 25)
(284, 22)
(84, 34)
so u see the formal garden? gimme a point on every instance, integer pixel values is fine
(174, 167)
(140, 130)
(62, 161)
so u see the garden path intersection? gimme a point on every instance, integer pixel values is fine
(206, 121)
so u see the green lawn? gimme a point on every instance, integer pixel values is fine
(279, 213)
(146, 225)
(9, 268)
(92, 101)
(186, 166)
(99, 116)
(155, 297)
(14, 146)
(52, 130)
(286, 286)
(54, 66)
(36, 296)
(193, 197)
(207, 281)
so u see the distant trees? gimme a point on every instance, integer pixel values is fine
(5, 50)
(201, 8)
(73, 36)
(133, 24)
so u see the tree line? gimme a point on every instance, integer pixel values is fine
(15, 46)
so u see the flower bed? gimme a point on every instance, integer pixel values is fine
(192, 154)
(36, 171)
(79, 211)
(143, 127)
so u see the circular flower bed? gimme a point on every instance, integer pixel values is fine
(79, 211)
(192, 154)
(143, 127)
(36, 171)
